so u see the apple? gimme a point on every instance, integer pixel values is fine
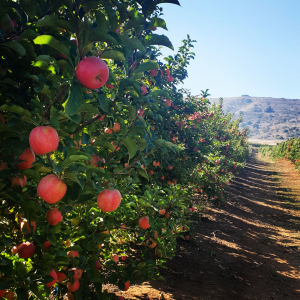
(2, 119)
(124, 257)
(18, 181)
(98, 265)
(168, 103)
(170, 167)
(14, 250)
(2, 293)
(43, 140)
(151, 172)
(153, 73)
(169, 182)
(77, 273)
(168, 72)
(109, 200)
(162, 211)
(144, 223)
(156, 163)
(24, 224)
(47, 245)
(92, 72)
(162, 177)
(174, 181)
(54, 216)
(54, 275)
(127, 284)
(95, 159)
(153, 243)
(170, 78)
(115, 257)
(73, 287)
(28, 158)
(70, 296)
(109, 86)
(61, 276)
(108, 130)
(73, 253)
(116, 127)
(187, 238)
(144, 90)
(3, 165)
(51, 189)
(26, 250)
(167, 215)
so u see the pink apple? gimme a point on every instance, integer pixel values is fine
(26, 250)
(95, 160)
(109, 86)
(47, 245)
(43, 140)
(92, 72)
(54, 275)
(51, 189)
(153, 73)
(168, 103)
(144, 223)
(54, 216)
(109, 200)
(144, 90)
(28, 158)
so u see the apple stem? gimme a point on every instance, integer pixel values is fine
(98, 78)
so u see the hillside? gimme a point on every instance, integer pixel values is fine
(267, 118)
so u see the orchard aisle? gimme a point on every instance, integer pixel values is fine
(246, 249)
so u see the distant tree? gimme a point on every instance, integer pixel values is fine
(269, 109)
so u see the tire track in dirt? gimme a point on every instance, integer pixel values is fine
(246, 249)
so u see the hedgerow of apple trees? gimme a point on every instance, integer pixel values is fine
(97, 183)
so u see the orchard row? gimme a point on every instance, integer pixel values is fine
(102, 157)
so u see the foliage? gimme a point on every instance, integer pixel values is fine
(198, 146)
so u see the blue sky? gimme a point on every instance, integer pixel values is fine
(243, 46)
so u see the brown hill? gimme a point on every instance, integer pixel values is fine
(267, 118)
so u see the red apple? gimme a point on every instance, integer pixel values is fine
(28, 158)
(43, 140)
(108, 130)
(98, 265)
(54, 216)
(92, 72)
(127, 284)
(109, 86)
(95, 159)
(156, 163)
(170, 78)
(73, 287)
(153, 73)
(168, 72)
(51, 189)
(14, 250)
(3, 165)
(54, 275)
(168, 103)
(47, 245)
(61, 276)
(116, 127)
(144, 223)
(18, 181)
(115, 257)
(26, 250)
(124, 257)
(109, 200)
(2, 293)
(162, 211)
(73, 253)
(2, 119)
(77, 273)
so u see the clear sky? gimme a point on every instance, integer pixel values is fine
(243, 46)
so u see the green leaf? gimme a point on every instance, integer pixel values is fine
(141, 143)
(158, 22)
(72, 177)
(16, 109)
(72, 159)
(88, 108)
(143, 173)
(133, 42)
(54, 43)
(32, 173)
(68, 4)
(104, 144)
(29, 34)
(103, 24)
(134, 22)
(130, 145)
(156, 39)
(149, 65)
(4, 285)
(160, 93)
(75, 98)
(113, 54)
(52, 239)
(16, 46)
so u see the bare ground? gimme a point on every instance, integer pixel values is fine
(246, 249)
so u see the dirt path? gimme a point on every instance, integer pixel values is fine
(246, 249)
